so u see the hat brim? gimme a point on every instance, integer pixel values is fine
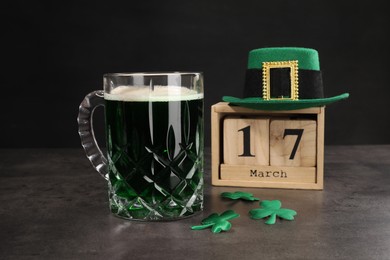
(285, 104)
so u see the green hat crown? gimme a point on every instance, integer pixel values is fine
(307, 58)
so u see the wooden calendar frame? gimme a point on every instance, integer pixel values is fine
(236, 175)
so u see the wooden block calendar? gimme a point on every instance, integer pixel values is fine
(267, 149)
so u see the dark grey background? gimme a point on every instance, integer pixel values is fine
(55, 53)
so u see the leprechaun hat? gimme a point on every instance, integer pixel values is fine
(283, 78)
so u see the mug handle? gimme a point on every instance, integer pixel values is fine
(87, 135)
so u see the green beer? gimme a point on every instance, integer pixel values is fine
(155, 152)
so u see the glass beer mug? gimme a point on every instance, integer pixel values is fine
(154, 142)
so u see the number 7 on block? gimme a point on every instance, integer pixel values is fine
(293, 142)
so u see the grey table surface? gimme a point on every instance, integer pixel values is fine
(54, 206)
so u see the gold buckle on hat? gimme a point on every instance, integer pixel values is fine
(293, 65)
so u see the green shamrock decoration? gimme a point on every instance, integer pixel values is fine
(239, 195)
(271, 209)
(217, 222)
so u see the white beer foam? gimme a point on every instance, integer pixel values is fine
(160, 93)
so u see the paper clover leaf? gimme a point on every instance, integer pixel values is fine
(271, 209)
(217, 222)
(239, 195)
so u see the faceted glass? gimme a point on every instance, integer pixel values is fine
(154, 134)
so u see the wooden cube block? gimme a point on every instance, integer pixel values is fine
(293, 142)
(246, 141)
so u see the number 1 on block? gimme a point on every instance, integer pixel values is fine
(246, 141)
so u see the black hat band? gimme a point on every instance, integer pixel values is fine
(310, 83)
